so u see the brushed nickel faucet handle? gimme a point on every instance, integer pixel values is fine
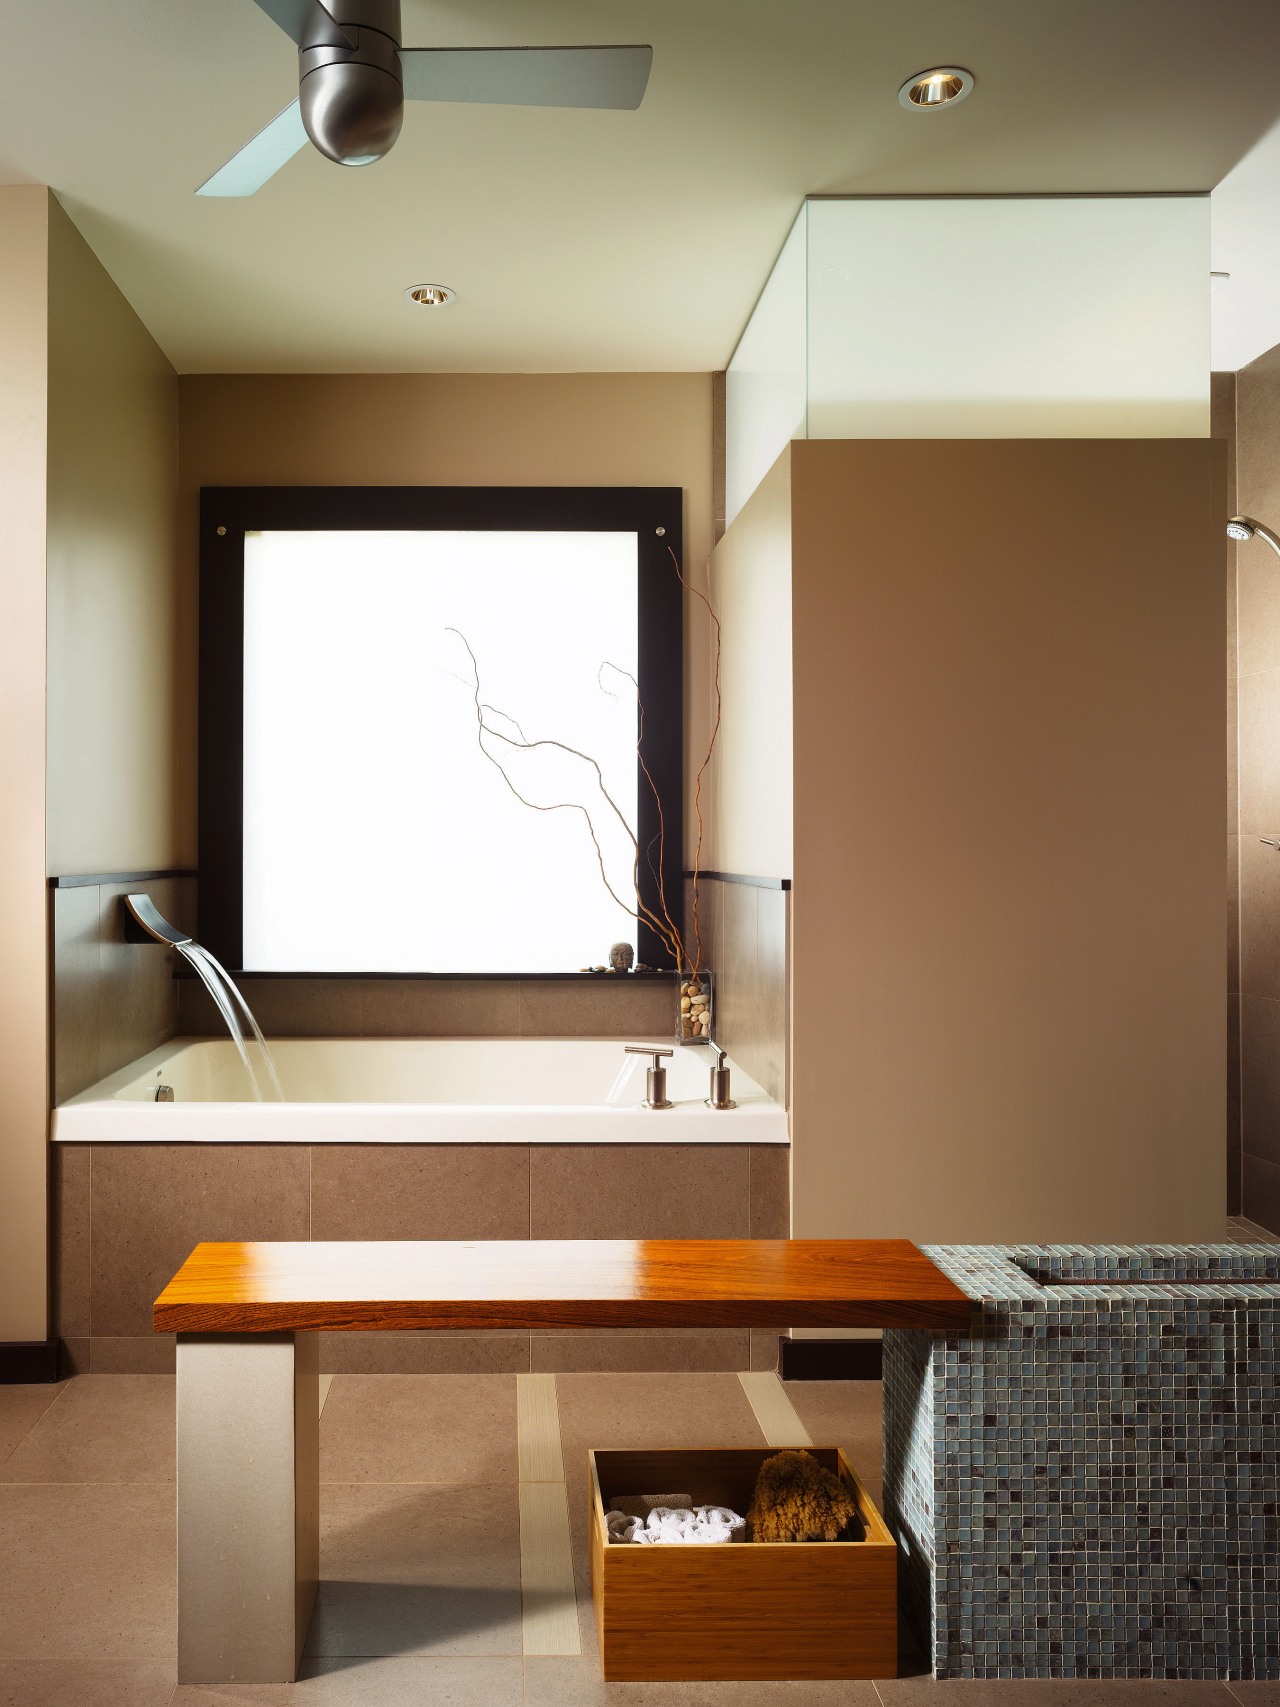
(656, 1077)
(720, 1097)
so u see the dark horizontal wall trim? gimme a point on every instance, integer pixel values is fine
(831, 1360)
(88, 881)
(184, 971)
(23, 1361)
(739, 877)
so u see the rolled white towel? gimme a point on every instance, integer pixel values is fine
(640, 1505)
(707, 1525)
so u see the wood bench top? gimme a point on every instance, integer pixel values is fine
(559, 1283)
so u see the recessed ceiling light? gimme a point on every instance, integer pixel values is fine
(430, 296)
(941, 87)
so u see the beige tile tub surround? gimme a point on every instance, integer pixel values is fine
(420, 1191)
(441, 1007)
(126, 1215)
(745, 930)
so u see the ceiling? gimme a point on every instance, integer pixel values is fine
(582, 241)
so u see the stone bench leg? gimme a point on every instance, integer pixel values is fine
(248, 1504)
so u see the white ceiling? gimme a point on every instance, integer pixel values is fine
(611, 241)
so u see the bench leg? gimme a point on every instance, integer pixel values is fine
(248, 1504)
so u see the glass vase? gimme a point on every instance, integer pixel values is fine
(695, 1001)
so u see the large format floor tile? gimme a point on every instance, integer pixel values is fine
(86, 1683)
(21, 1408)
(847, 1414)
(577, 1683)
(87, 1573)
(419, 1571)
(103, 1428)
(374, 1683)
(419, 1428)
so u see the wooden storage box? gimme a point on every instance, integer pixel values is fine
(744, 1610)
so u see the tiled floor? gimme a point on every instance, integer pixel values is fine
(421, 1547)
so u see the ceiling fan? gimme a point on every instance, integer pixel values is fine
(354, 78)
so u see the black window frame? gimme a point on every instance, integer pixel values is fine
(227, 513)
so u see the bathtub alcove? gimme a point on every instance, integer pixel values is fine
(406, 1138)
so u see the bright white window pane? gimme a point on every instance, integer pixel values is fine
(377, 836)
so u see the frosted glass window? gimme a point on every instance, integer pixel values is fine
(377, 836)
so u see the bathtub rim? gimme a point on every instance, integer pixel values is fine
(94, 1116)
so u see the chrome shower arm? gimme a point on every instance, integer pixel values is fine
(143, 922)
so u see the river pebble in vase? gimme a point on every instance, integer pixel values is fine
(693, 1014)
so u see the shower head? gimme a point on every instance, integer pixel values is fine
(143, 922)
(1245, 527)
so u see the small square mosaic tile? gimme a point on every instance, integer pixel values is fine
(1087, 1484)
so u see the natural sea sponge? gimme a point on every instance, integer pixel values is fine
(797, 1500)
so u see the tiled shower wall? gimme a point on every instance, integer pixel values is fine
(1257, 685)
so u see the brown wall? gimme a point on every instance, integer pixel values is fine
(1008, 941)
(24, 264)
(1258, 654)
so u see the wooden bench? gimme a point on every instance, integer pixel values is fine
(247, 1315)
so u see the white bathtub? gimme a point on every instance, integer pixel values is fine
(417, 1091)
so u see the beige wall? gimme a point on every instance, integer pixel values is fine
(751, 783)
(112, 539)
(24, 229)
(443, 430)
(1008, 935)
(1258, 653)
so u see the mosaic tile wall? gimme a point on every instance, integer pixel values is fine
(1087, 1484)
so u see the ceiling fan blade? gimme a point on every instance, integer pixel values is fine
(307, 22)
(260, 159)
(528, 76)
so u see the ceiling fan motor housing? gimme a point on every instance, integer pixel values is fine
(352, 98)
